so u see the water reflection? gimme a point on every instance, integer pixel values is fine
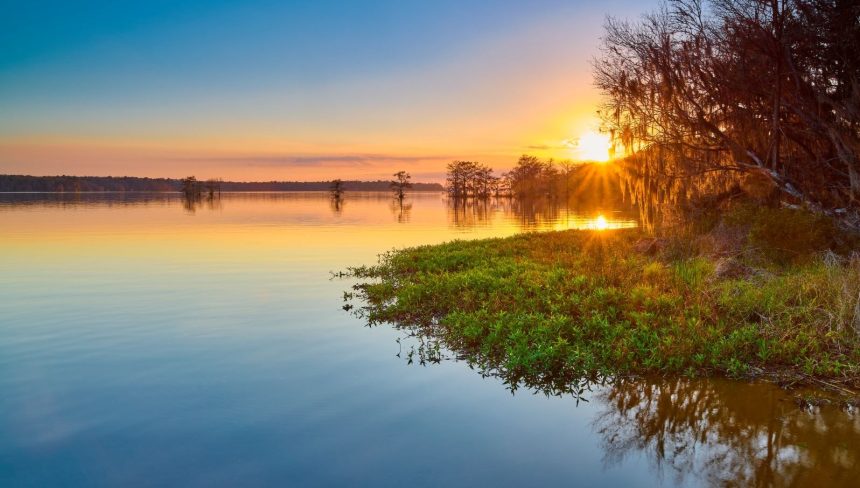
(142, 342)
(400, 210)
(537, 212)
(73, 199)
(533, 214)
(691, 431)
(191, 203)
(728, 433)
(462, 215)
(336, 205)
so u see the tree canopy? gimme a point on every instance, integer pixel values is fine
(705, 95)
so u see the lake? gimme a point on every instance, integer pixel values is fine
(150, 341)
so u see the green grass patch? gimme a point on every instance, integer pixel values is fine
(550, 307)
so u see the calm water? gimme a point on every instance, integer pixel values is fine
(147, 342)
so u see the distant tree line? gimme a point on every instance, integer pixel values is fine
(704, 96)
(21, 183)
(532, 177)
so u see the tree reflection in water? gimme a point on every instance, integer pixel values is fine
(728, 433)
(337, 205)
(401, 211)
(533, 214)
(716, 431)
(191, 203)
(467, 213)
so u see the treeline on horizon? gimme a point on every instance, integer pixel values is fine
(712, 98)
(22, 183)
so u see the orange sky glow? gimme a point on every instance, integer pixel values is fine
(519, 86)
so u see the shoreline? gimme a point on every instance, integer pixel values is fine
(571, 304)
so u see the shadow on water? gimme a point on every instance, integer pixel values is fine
(691, 431)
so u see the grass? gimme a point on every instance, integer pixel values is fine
(552, 307)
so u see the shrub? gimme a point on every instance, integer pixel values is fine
(784, 235)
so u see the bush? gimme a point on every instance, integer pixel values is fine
(566, 305)
(784, 235)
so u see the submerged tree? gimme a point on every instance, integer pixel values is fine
(336, 189)
(470, 179)
(530, 178)
(190, 187)
(193, 191)
(567, 170)
(213, 187)
(401, 184)
(534, 178)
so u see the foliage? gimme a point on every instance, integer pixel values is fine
(190, 187)
(539, 308)
(401, 184)
(533, 179)
(336, 189)
(788, 235)
(704, 94)
(472, 179)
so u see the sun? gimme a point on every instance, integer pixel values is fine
(599, 223)
(593, 146)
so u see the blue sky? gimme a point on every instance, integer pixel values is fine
(221, 86)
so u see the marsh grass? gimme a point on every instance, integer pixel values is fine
(554, 306)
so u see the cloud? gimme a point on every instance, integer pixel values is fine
(563, 144)
(316, 160)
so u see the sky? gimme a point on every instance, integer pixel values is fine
(296, 90)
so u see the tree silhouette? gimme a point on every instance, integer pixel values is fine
(470, 179)
(336, 189)
(704, 95)
(400, 185)
(191, 188)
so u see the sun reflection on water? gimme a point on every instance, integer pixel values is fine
(599, 223)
